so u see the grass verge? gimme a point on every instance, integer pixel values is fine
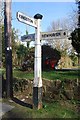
(51, 75)
(56, 109)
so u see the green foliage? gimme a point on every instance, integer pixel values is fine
(26, 32)
(51, 75)
(47, 52)
(22, 75)
(3, 47)
(51, 109)
(13, 38)
(74, 59)
(14, 45)
(75, 37)
(63, 53)
(61, 75)
(28, 63)
(21, 53)
(54, 110)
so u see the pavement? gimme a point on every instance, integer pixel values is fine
(4, 108)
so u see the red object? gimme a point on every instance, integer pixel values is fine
(51, 63)
(47, 62)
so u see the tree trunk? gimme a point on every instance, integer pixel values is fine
(79, 60)
(8, 48)
(78, 66)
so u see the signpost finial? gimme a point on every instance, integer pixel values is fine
(38, 16)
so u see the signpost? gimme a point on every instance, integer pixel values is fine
(37, 84)
(26, 19)
(58, 34)
(37, 89)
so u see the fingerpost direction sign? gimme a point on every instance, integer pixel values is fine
(26, 19)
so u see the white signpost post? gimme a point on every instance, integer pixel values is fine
(37, 84)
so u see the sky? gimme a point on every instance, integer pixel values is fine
(43, 0)
(51, 11)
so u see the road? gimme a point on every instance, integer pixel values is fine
(4, 108)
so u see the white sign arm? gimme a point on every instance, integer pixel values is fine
(26, 19)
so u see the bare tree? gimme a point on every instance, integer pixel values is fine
(63, 45)
(1, 12)
(1, 22)
(73, 19)
(69, 23)
(60, 24)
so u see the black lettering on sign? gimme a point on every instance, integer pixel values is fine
(51, 35)
(25, 18)
(58, 34)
